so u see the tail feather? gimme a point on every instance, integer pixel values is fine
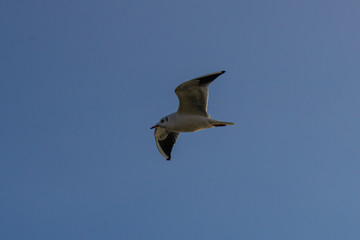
(217, 123)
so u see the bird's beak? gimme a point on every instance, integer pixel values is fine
(154, 126)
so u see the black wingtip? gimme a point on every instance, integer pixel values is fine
(223, 71)
(168, 158)
(207, 79)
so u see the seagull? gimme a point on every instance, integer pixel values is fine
(191, 115)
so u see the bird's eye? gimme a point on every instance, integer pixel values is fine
(162, 121)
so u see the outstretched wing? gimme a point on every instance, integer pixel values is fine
(165, 141)
(193, 94)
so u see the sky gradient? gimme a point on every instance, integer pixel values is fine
(81, 83)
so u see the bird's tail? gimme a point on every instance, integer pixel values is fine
(217, 123)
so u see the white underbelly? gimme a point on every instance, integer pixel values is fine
(188, 123)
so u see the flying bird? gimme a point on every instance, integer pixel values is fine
(191, 115)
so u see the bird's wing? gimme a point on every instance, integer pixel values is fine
(193, 94)
(165, 141)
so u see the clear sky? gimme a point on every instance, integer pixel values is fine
(81, 83)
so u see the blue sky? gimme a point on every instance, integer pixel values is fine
(81, 83)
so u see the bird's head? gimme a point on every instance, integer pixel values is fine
(162, 123)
